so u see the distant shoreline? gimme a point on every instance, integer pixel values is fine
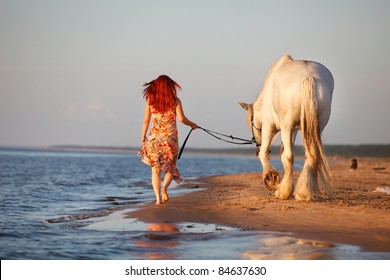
(365, 150)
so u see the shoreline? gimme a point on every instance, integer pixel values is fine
(381, 151)
(356, 214)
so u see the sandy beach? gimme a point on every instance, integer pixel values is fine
(358, 213)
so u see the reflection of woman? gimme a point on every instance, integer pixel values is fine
(161, 149)
(161, 239)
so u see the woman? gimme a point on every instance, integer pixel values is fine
(161, 149)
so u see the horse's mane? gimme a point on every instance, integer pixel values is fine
(275, 66)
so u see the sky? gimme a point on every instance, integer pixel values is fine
(71, 72)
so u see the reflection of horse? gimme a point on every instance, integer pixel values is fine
(296, 95)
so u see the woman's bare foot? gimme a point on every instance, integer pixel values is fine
(165, 196)
(159, 201)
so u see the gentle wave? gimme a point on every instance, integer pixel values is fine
(79, 217)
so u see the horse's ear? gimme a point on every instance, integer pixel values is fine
(244, 105)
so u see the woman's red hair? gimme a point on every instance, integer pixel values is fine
(161, 93)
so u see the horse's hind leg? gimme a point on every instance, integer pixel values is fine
(307, 184)
(287, 185)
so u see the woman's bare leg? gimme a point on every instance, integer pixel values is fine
(167, 181)
(156, 182)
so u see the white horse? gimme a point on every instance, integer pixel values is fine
(296, 95)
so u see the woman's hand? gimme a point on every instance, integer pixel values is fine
(194, 126)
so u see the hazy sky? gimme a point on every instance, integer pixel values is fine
(71, 71)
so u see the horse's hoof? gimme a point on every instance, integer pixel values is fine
(271, 180)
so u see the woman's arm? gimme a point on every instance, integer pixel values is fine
(182, 118)
(146, 122)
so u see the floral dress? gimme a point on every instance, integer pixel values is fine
(161, 148)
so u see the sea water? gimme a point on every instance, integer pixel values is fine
(72, 205)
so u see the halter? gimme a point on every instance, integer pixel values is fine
(253, 132)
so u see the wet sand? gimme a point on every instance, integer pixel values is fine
(356, 214)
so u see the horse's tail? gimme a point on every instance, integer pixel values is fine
(312, 140)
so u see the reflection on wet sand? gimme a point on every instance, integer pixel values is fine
(159, 239)
(290, 248)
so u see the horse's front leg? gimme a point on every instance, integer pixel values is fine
(271, 177)
(286, 188)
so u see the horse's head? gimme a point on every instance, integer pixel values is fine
(256, 130)
(249, 109)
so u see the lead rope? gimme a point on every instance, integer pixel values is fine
(214, 134)
(184, 143)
